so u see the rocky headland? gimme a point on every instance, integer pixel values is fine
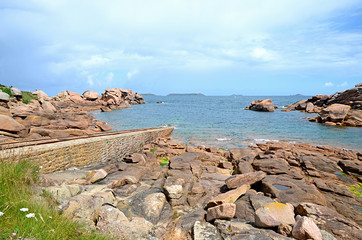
(64, 115)
(173, 191)
(341, 108)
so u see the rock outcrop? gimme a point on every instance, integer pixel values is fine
(60, 116)
(340, 109)
(199, 196)
(265, 105)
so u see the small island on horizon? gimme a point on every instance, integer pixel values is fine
(185, 94)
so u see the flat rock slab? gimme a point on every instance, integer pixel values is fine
(274, 214)
(247, 178)
(228, 197)
(291, 190)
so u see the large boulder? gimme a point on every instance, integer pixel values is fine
(224, 211)
(334, 113)
(16, 92)
(90, 95)
(41, 95)
(265, 105)
(330, 220)
(8, 124)
(4, 97)
(274, 214)
(305, 229)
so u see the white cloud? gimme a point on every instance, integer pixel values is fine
(281, 35)
(263, 54)
(328, 84)
(132, 73)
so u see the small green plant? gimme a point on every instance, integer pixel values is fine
(357, 190)
(153, 150)
(27, 97)
(164, 162)
(7, 90)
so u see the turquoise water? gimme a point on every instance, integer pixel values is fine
(222, 121)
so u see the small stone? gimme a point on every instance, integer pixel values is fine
(284, 230)
(274, 214)
(305, 229)
(224, 211)
(97, 175)
(174, 187)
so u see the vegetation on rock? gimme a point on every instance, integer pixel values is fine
(25, 214)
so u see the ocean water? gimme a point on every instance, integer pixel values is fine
(222, 121)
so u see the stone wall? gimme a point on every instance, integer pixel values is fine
(81, 152)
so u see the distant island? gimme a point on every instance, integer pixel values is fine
(148, 94)
(186, 94)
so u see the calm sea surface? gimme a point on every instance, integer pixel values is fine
(223, 122)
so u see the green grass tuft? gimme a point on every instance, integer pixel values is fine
(153, 150)
(6, 90)
(357, 190)
(17, 179)
(164, 162)
(28, 96)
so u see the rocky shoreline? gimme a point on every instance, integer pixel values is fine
(340, 109)
(64, 115)
(170, 191)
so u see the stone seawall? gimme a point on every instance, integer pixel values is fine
(80, 152)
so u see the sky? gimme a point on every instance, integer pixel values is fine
(248, 47)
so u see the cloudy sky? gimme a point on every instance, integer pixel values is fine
(249, 47)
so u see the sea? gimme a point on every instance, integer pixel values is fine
(222, 121)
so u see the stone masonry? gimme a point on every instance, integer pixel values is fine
(81, 152)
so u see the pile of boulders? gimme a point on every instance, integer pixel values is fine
(342, 108)
(61, 116)
(269, 191)
(264, 105)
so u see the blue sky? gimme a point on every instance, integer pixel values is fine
(249, 47)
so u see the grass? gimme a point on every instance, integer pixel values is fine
(27, 96)
(357, 190)
(16, 192)
(6, 90)
(164, 162)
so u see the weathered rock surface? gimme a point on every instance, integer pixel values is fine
(245, 179)
(342, 108)
(9, 124)
(274, 214)
(63, 115)
(190, 198)
(205, 231)
(265, 105)
(90, 95)
(223, 211)
(305, 229)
